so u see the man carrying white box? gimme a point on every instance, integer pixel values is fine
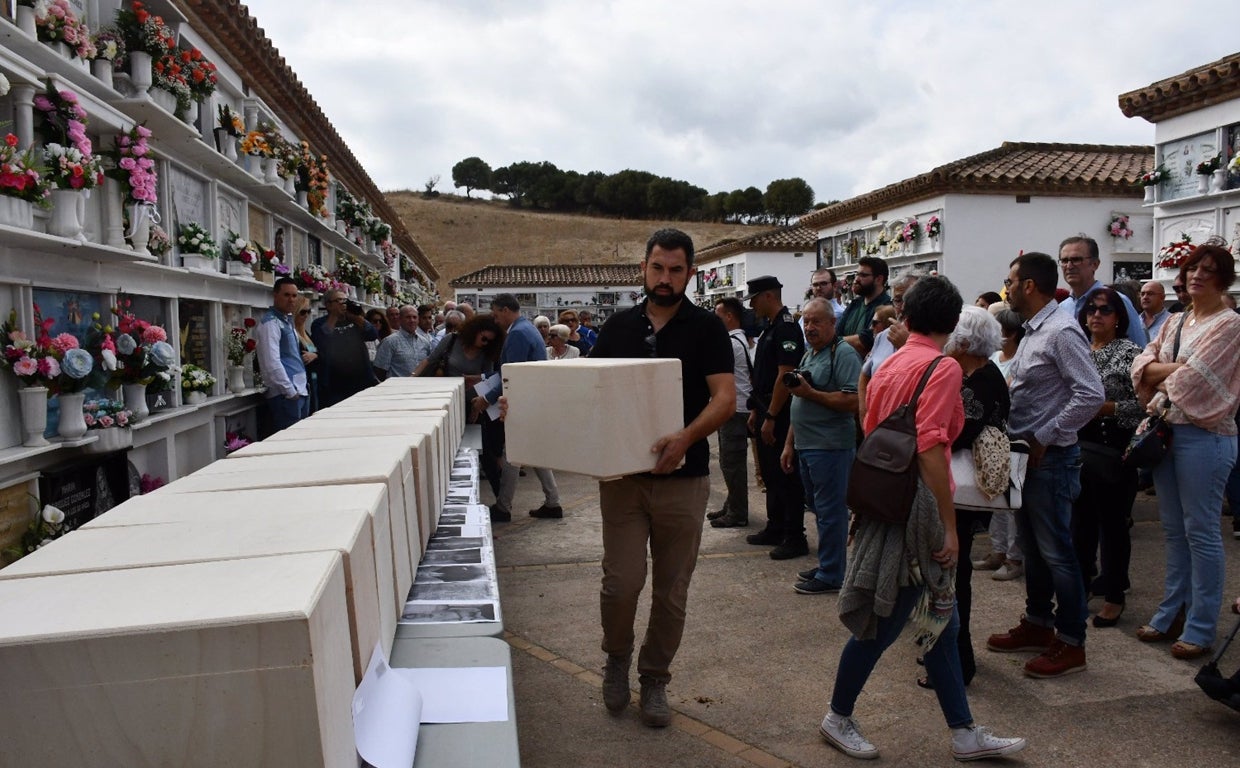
(664, 507)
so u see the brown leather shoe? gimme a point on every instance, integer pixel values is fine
(1147, 633)
(1022, 637)
(1188, 651)
(1058, 660)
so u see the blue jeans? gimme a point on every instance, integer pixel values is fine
(824, 473)
(285, 411)
(1054, 589)
(1190, 482)
(942, 663)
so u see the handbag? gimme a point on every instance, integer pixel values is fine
(1150, 442)
(439, 365)
(969, 496)
(882, 483)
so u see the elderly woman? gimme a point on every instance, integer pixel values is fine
(984, 394)
(1193, 369)
(543, 324)
(880, 593)
(1100, 513)
(569, 318)
(1005, 558)
(558, 347)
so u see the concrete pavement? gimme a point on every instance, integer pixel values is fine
(754, 673)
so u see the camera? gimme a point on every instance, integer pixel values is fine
(352, 307)
(792, 379)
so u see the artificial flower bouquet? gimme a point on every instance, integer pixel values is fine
(30, 360)
(48, 524)
(229, 120)
(192, 238)
(159, 243)
(21, 174)
(196, 379)
(110, 45)
(1175, 253)
(67, 151)
(934, 227)
(312, 278)
(134, 351)
(144, 32)
(103, 414)
(1210, 165)
(1154, 177)
(238, 344)
(235, 441)
(1119, 227)
(910, 232)
(237, 248)
(55, 22)
(134, 167)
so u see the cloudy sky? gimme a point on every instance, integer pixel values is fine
(724, 94)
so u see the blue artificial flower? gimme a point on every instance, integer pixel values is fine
(162, 354)
(125, 344)
(78, 363)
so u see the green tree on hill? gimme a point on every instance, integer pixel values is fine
(786, 198)
(471, 173)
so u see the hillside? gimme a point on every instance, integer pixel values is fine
(460, 236)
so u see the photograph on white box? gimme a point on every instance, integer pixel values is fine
(459, 612)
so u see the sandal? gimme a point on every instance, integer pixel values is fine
(1147, 634)
(1188, 651)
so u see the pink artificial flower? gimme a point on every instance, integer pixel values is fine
(127, 163)
(64, 342)
(89, 418)
(153, 334)
(106, 421)
(122, 418)
(143, 131)
(42, 103)
(49, 367)
(26, 367)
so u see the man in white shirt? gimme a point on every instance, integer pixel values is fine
(734, 433)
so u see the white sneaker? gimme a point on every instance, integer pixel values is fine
(1009, 571)
(977, 743)
(841, 733)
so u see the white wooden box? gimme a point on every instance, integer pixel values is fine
(208, 539)
(309, 469)
(232, 663)
(410, 405)
(361, 425)
(419, 387)
(282, 506)
(309, 441)
(421, 420)
(593, 417)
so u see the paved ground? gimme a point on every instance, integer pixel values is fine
(753, 676)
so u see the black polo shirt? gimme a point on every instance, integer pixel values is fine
(782, 343)
(693, 335)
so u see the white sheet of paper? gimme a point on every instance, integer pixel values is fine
(387, 710)
(461, 694)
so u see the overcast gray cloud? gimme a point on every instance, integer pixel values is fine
(727, 94)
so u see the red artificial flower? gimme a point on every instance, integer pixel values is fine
(11, 140)
(250, 322)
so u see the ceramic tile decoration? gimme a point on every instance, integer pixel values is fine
(593, 417)
(212, 538)
(236, 663)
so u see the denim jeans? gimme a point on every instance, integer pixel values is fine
(1003, 538)
(733, 461)
(1054, 591)
(824, 473)
(287, 411)
(1190, 482)
(942, 663)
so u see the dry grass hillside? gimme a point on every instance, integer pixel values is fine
(460, 236)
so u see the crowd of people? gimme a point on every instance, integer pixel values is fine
(1024, 403)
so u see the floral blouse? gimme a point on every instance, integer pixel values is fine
(1114, 363)
(1205, 391)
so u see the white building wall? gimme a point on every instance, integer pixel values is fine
(793, 270)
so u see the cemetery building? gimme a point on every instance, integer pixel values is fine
(788, 253)
(548, 289)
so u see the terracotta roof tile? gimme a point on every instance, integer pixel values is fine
(790, 239)
(534, 275)
(1209, 84)
(1015, 168)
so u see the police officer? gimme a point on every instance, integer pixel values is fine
(779, 350)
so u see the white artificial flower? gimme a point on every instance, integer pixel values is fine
(4, 84)
(53, 515)
(109, 359)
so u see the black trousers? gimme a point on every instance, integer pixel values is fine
(1100, 523)
(785, 495)
(492, 450)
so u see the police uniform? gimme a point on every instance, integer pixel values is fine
(781, 344)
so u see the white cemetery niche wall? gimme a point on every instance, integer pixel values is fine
(258, 225)
(231, 214)
(1199, 225)
(297, 249)
(189, 198)
(1231, 228)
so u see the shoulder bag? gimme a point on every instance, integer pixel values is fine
(438, 366)
(1153, 436)
(883, 480)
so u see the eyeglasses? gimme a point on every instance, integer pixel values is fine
(1073, 260)
(1008, 283)
(1100, 309)
(863, 275)
(1178, 288)
(822, 284)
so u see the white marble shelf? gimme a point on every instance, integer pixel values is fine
(1225, 194)
(40, 242)
(19, 452)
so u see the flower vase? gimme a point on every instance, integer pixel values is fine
(111, 439)
(1218, 180)
(198, 261)
(34, 415)
(190, 116)
(255, 166)
(239, 269)
(230, 147)
(1203, 183)
(222, 139)
(1149, 194)
(303, 198)
(134, 396)
(290, 185)
(141, 216)
(61, 49)
(195, 398)
(68, 214)
(140, 70)
(102, 70)
(72, 420)
(15, 212)
(164, 99)
(270, 174)
(236, 379)
(26, 22)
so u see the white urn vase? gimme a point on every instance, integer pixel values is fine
(236, 378)
(72, 420)
(68, 214)
(140, 70)
(34, 415)
(134, 396)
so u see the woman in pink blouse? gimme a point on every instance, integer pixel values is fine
(1202, 384)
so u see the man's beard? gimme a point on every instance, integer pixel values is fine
(664, 299)
(864, 290)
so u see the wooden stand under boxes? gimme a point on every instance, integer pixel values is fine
(284, 506)
(417, 446)
(593, 417)
(211, 538)
(304, 470)
(234, 663)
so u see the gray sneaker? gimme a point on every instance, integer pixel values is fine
(1009, 571)
(655, 711)
(841, 733)
(616, 693)
(978, 743)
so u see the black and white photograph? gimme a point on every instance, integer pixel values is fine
(447, 613)
(445, 574)
(453, 519)
(454, 557)
(464, 542)
(457, 590)
(447, 531)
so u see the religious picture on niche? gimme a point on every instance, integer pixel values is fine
(71, 312)
(195, 333)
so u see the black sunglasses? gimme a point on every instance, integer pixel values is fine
(1104, 310)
